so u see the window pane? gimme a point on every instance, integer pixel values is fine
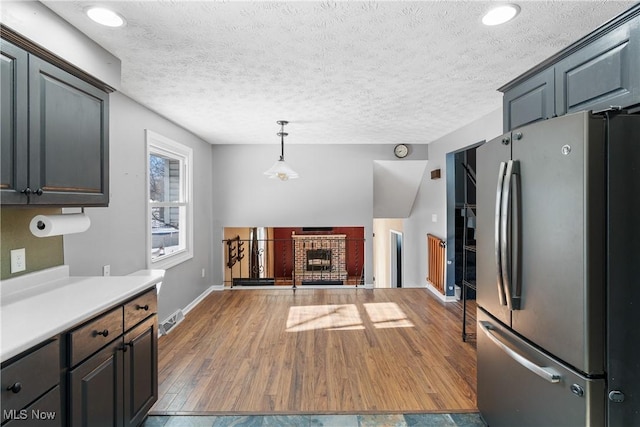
(166, 235)
(164, 179)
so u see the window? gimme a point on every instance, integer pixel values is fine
(169, 212)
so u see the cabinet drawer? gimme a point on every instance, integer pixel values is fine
(44, 412)
(91, 337)
(140, 308)
(30, 376)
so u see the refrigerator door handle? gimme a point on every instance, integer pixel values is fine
(505, 235)
(501, 295)
(514, 260)
(548, 374)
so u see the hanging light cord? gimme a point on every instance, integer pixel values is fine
(282, 134)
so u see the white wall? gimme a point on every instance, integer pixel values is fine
(117, 235)
(432, 195)
(335, 188)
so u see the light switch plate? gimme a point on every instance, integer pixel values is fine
(18, 260)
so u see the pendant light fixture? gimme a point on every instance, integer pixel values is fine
(280, 168)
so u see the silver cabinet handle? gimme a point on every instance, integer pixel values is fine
(501, 296)
(549, 374)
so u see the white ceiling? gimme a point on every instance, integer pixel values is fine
(346, 72)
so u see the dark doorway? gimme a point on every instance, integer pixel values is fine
(396, 259)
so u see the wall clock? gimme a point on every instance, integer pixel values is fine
(401, 151)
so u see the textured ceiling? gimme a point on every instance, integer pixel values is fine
(340, 72)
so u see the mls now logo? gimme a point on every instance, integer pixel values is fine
(23, 414)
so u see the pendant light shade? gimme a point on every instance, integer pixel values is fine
(280, 168)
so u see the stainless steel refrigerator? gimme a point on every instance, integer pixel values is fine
(558, 275)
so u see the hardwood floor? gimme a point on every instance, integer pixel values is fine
(317, 351)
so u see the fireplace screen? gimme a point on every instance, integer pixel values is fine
(319, 260)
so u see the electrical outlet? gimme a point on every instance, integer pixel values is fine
(106, 270)
(203, 273)
(18, 260)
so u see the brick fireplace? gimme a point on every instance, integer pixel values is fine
(320, 257)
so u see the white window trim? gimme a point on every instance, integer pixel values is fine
(157, 143)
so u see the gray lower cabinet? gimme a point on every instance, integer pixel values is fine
(31, 388)
(140, 371)
(44, 412)
(96, 390)
(101, 373)
(118, 383)
(55, 134)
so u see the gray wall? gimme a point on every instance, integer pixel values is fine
(117, 235)
(335, 188)
(432, 195)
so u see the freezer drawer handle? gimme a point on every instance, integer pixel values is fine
(547, 373)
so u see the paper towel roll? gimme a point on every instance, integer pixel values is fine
(56, 225)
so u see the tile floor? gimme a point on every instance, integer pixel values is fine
(387, 420)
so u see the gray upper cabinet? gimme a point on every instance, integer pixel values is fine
(68, 126)
(14, 132)
(55, 134)
(529, 102)
(597, 72)
(603, 74)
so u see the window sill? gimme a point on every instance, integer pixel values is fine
(171, 261)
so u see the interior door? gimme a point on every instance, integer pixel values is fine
(561, 198)
(491, 156)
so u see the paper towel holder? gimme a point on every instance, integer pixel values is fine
(43, 225)
(40, 225)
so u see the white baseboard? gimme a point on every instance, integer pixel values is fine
(443, 298)
(202, 296)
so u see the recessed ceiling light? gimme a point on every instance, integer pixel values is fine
(501, 14)
(105, 17)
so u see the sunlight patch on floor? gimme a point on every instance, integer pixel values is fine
(345, 317)
(387, 315)
(330, 317)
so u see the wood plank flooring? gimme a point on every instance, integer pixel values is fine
(317, 351)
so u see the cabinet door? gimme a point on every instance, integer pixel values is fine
(140, 371)
(530, 101)
(14, 125)
(68, 124)
(602, 74)
(96, 389)
(44, 412)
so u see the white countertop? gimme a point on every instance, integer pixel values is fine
(40, 305)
